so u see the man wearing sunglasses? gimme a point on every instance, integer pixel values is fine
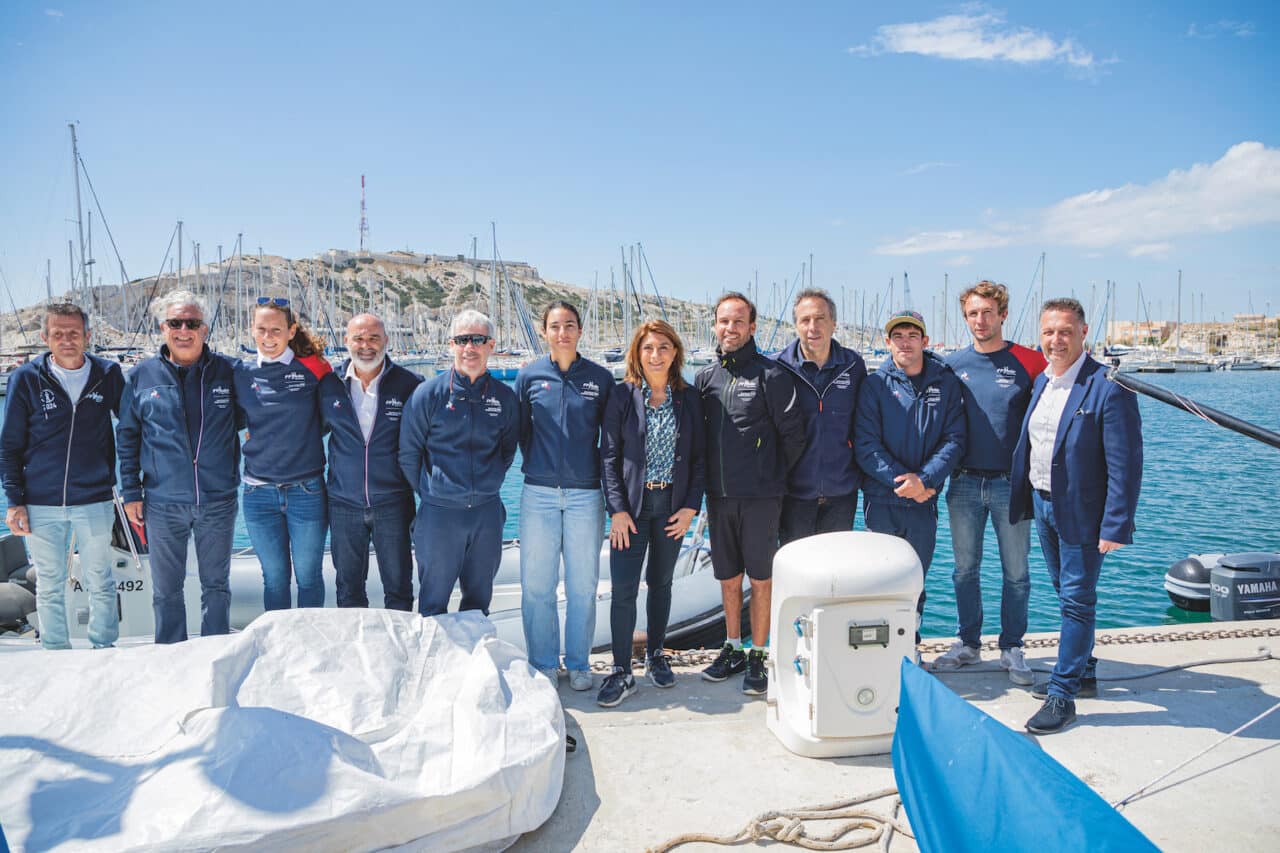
(458, 437)
(179, 451)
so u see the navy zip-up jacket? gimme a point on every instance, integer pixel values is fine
(899, 431)
(622, 451)
(560, 418)
(53, 451)
(458, 438)
(359, 473)
(157, 453)
(280, 404)
(755, 428)
(828, 468)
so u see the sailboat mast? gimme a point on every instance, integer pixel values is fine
(75, 166)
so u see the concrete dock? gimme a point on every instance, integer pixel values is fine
(698, 757)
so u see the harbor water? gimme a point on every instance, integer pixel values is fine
(1204, 490)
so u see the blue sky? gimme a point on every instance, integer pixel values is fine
(729, 139)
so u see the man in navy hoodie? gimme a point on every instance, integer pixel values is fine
(457, 440)
(909, 435)
(361, 404)
(822, 490)
(179, 446)
(58, 421)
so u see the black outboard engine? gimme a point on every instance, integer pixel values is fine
(1187, 582)
(1245, 586)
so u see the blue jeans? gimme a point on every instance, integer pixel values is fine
(169, 529)
(49, 543)
(387, 524)
(1074, 570)
(286, 523)
(624, 570)
(970, 499)
(560, 524)
(458, 545)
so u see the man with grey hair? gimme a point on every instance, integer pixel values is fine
(58, 421)
(822, 489)
(180, 463)
(361, 403)
(458, 437)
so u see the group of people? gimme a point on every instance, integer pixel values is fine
(778, 445)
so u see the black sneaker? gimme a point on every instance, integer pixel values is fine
(616, 687)
(729, 662)
(1054, 715)
(658, 668)
(1088, 688)
(756, 681)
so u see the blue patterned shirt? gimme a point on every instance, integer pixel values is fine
(659, 437)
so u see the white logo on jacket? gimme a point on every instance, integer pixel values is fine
(590, 390)
(48, 399)
(492, 406)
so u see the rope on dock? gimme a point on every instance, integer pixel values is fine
(787, 826)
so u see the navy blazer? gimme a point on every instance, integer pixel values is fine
(1097, 460)
(622, 455)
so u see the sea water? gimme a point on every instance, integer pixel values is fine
(1204, 489)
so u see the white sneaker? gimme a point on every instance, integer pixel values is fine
(580, 679)
(1019, 672)
(955, 657)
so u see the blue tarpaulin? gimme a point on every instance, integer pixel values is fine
(968, 783)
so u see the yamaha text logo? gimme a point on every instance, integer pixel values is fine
(94, 396)
(394, 402)
(590, 390)
(294, 376)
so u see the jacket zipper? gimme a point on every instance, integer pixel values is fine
(195, 459)
(71, 434)
(820, 394)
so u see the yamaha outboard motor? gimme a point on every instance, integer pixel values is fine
(1245, 586)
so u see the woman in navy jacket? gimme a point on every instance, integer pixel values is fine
(285, 509)
(562, 399)
(652, 455)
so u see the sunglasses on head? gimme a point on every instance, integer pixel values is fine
(273, 300)
(474, 340)
(191, 323)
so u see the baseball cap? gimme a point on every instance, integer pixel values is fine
(905, 318)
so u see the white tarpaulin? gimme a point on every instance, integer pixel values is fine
(311, 730)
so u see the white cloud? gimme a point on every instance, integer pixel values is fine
(960, 261)
(977, 34)
(53, 13)
(924, 167)
(1239, 190)
(1159, 251)
(1239, 29)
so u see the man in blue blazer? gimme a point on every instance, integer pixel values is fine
(1077, 470)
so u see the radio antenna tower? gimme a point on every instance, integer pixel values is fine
(364, 218)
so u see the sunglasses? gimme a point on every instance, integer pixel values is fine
(191, 323)
(474, 340)
(273, 300)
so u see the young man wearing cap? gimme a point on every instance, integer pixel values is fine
(997, 377)
(909, 434)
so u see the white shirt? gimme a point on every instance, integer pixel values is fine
(285, 357)
(365, 402)
(73, 381)
(1042, 429)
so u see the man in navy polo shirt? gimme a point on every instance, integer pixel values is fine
(822, 490)
(362, 404)
(58, 464)
(457, 440)
(997, 376)
(179, 466)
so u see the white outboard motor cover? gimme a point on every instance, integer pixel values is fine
(311, 730)
(843, 617)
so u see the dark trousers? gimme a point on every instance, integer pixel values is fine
(918, 524)
(624, 570)
(169, 529)
(1073, 570)
(801, 518)
(458, 545)
(351, 528)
